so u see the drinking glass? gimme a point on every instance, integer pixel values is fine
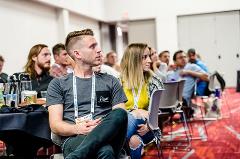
(43, 94)
(26, 85)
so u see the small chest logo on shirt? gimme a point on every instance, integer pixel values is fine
(103, 99)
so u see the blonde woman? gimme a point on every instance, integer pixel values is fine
(138, 83)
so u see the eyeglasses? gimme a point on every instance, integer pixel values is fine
(146, 56)
(182, 57)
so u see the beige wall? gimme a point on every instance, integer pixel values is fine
(24, 24)
(142, 31)
(165, 13)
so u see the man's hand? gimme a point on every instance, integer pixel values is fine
(93, 123)
(143, 129)
(156, 65)
(87, 126)
(172, 67)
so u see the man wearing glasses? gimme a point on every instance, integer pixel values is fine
(187, 71)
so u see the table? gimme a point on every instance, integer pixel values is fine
(26, 131)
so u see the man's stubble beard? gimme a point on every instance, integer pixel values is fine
(43, 67)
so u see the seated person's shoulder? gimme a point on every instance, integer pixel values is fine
(4, 77)
(61, 80)
(190, 65)
(107, 77)
(108, 80)
(4, 74)
(109, 70)
(156, 81)
(155, 77)
(193, 67)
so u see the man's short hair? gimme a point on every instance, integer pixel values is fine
(191, 51)
(1, 58)
(176, 53)
(163, 52)
(74, 36)
(58, 48)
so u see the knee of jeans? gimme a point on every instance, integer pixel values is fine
(131, 117)
(120, 116)
(135, 142)
(131, 120)
(106, 152)
(132, 126)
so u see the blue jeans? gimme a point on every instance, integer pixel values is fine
(132, 130)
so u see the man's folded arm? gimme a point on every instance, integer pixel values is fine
(58, 126)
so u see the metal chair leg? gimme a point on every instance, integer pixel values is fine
(204, 123)
(157, 136)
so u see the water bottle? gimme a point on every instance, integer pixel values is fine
(1, 94)
(25, 83)
(12, 94)
(217, 92)
(25, 87)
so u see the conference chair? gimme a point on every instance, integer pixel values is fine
(152, 120)
(171, 104)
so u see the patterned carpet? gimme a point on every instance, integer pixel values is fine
(223, 139)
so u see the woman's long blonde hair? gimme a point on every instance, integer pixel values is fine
(131, 65)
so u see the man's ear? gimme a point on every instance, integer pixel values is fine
(77, 54)
(55, 57)
(34, 58)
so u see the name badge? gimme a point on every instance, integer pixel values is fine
(84, 118)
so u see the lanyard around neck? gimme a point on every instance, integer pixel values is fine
(75, 95)
(136, 97)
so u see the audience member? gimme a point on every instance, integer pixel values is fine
(37, 66)
(187, 71)
(153, 54)
(61, 66)
(138, 84)
(3, 76)
(111, 60)
(106, 69)
(85, 108)
(158, 67)
(164, 56)
(193, 58)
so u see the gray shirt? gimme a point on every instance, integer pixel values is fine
(109, 92)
